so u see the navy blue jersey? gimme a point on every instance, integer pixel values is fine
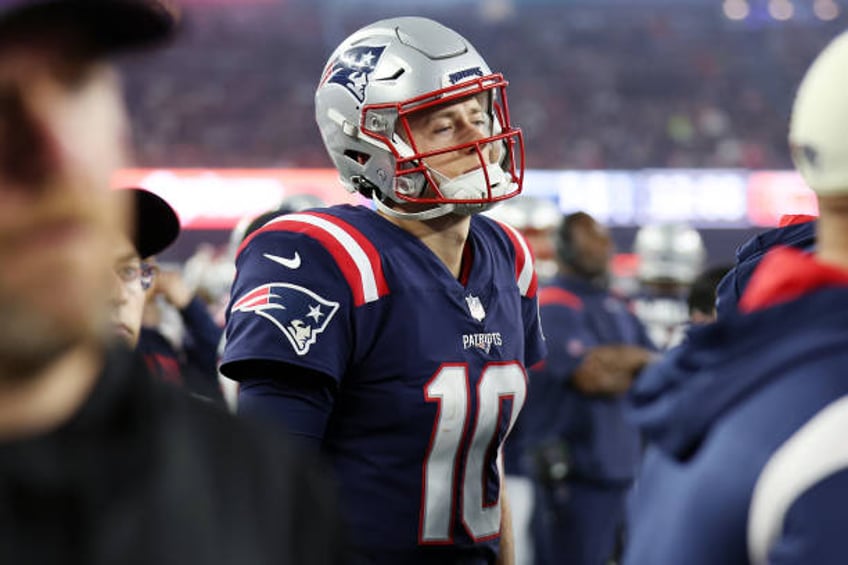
(430, 371)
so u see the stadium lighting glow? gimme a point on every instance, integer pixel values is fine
(826, 9)
(781, 9)
(736, 9)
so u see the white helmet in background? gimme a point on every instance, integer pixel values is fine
(381, 75)
(669, 253)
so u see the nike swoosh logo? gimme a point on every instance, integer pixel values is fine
(292, 263)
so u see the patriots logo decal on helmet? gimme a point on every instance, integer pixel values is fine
(298, 312)
(353, 68)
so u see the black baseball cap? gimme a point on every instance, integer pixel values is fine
(156, 223)
(109, 25)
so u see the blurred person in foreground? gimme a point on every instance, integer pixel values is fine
(746, 420)
(395, 340)
(670, 257)
(99, 464)
(585, 454)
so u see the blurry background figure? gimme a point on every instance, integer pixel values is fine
(186, 354)
(746, 460)
(537, 219)
(702, 295)
(670, 257)
(584, 454)
(179, 337)
(152, 228)
(209, 272)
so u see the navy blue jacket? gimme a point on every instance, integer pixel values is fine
(714, 411)
(577, 316)
(749, 254)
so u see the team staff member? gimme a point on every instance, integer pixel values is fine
(585, 453)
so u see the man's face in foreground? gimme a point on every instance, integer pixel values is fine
(62, 134)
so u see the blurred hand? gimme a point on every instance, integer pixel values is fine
(170, 285)
(610, 369)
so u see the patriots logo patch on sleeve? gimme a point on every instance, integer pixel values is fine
(298, 312)
(353, 68)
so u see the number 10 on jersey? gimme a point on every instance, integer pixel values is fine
(450, 387)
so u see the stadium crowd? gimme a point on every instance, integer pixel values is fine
(624, 88)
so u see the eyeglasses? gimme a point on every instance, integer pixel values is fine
(131, 273)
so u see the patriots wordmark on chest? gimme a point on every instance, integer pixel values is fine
(475, 307)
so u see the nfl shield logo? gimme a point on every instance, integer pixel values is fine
(475, 307)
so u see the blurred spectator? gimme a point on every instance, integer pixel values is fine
(154, 227)
(190, 358)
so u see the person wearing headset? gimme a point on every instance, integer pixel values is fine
(585, 454)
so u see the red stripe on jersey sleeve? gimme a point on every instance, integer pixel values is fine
(340, 255)
(366, 245)
(520, 260)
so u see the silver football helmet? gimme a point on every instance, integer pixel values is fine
(381, 76)
(672, 253)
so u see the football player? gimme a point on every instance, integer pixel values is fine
(670, 257)
(396, 339)
(747, 459)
